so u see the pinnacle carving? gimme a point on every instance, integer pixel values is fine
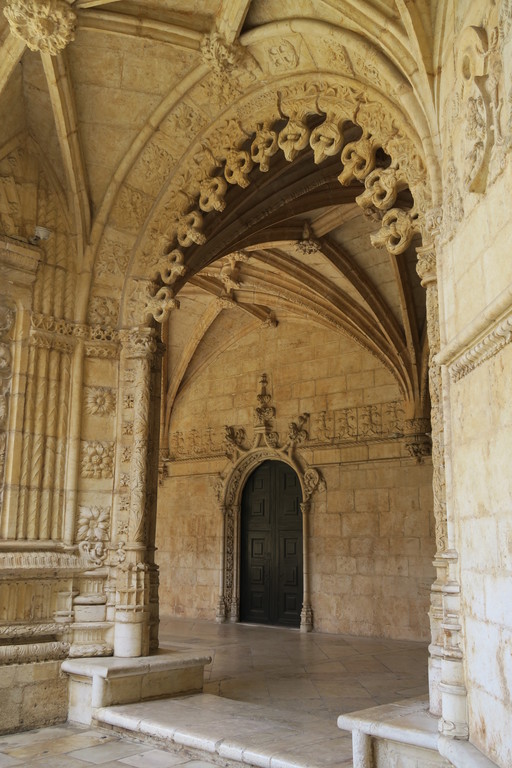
(44, 25)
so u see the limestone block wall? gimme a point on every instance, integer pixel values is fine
(479, 483)
(475, 275)
(33, 695)
(371, 530)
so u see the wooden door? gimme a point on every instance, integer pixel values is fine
(271, 546)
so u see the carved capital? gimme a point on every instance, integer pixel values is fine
(426, 266)
(44, 25)
(139, 342)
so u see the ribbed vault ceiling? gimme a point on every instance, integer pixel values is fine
(294, 242)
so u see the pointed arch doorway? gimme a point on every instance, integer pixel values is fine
(271, 553)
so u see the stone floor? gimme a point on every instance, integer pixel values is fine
(293, 687)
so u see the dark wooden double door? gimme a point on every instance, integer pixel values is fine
(271, 546)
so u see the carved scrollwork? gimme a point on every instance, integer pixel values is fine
(175, 267)
(358, 159)
(161, 304)
(211, 194)
(382, 186)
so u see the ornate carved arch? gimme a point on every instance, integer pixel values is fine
(316, 112)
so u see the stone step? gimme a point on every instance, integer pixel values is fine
(223, 731)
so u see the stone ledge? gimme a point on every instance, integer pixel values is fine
(408, 723)
(462, 754)
(102, 682)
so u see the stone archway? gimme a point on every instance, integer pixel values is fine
(265, 446)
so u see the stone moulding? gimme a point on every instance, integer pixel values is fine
(481, 341)
(31, 652)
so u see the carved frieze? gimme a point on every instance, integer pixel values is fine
(381, 421)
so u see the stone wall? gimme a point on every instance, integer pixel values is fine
(475, 274)
(479, 482)
(371, 531)
(33, 695)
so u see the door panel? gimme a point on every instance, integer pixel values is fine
(271, 546)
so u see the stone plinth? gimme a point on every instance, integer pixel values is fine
(102, 682)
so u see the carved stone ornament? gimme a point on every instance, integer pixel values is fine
(97, 458)
(99, 401)
(44, 25)
(93, 533)
(230, 151)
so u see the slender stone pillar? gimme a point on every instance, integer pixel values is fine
(133, 577)
(220, 616)
(306, 614)
(446, 671)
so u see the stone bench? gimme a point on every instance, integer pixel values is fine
(102, 682)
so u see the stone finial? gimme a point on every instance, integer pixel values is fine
(44, 25)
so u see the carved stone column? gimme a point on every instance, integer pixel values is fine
(233, 561)
(220, 616)
(446, 673)
(133, 576)
(306, 614)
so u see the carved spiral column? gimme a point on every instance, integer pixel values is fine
(306, 614)
(133, 576)
(446, 671)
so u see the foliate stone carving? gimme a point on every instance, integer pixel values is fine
(417, 438)
(211, 194)
(238, 166)
(312, 481)
(296, 432)
(294, 137)
(339, 104)
(264, 146)
(100, 401)
(93, 533)
(82, 650)
(161, 304)
(44, 25)
(103, 311)
(174, 268)
(309, 245)
(397, 231)
(484, 350)
(31, 652)
(234, 438)
(93, 523)
(13, 631)
(112, 259)
(97, 459)
(483, 102)
(232, 65)
(326, 139)
(7, 317)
